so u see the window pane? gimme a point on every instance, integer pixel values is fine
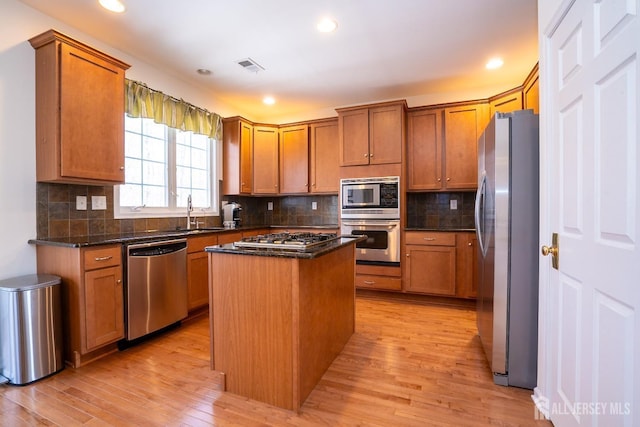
(154, 173)
(133, 124)
(153, 129)
(201, 142)
(130, 195)
(200, 198)
(199, 179)
(155, 196)
(183, 155)
(133, 171)
(199, 158)
(154, 149)
(132, 145)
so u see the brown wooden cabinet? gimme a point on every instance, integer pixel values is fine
(505, 102)
(265, 160)
(424, 149)
(79, 112)
(237, 157)
(93, 298)
(466, 265)
(198, 270)
(378, 277)
(463, 125)
(294, 159)
(324, 157)
(372, 135)
(430, 264)
(531, 91)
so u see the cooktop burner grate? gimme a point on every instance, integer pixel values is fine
(301, 241)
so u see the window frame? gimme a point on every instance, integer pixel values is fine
(173, 210)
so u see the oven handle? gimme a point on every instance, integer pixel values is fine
(369, 223)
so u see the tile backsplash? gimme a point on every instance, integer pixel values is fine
(433, 210)
(57, 216)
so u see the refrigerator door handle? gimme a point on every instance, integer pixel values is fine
(479, 226)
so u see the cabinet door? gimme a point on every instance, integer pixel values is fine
(294, 159)
(531, 91)
(324, 158)
(431, 269)
(506, 103)
(92, 117)
(265, 160)
(237, 157)
(246, 157)
(354, 137)
(466, 265)
(197, 280)
(386, 134)
(463, 126)
(104, 307)
(424, 150)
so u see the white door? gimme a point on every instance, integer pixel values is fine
(591, 199)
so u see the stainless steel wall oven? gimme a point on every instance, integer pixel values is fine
(371, 207)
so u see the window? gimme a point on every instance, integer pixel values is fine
(162, 167)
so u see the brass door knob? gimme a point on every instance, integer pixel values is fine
(546, 250)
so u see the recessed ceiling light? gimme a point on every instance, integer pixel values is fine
(269, 100)
(327, 25)
(113, 5)
(494, 63)
(203, 71)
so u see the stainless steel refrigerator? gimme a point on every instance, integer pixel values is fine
(506, 216)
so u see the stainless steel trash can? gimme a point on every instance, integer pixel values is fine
(30, 328)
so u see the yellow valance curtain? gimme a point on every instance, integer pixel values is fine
(142, 101)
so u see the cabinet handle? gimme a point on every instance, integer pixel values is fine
(469, 244)
(103, 258)
(448, 179)
(366, 155)
(439, 180)
(429, 239)
(121, 168)
(118, 281)
(369, 282)
(407, 255)
(370, 155)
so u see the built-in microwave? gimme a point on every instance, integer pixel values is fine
(373, 198)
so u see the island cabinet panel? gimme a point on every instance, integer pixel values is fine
(294, 159)
(237, 157)
(265, 160)
(324, 157)
(277, 323)
(424, 149)
(79, 112)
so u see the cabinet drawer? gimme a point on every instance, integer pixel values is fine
(430, 238)
(197, 244)
(102, 257)
(378, 282)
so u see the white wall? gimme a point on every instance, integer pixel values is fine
(18, 23)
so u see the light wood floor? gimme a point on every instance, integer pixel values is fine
(410, 363)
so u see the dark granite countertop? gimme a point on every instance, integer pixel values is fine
(154, 235)
(230, 248)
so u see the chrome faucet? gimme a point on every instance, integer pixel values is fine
(189, 209)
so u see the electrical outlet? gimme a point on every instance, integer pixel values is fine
(269, 206)
(453, 204)
(98, 203)
(314, 206)
(81, 203)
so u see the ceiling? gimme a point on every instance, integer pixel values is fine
(424, 51)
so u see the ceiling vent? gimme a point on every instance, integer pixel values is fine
(250, 65)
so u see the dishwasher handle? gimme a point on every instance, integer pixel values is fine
(157, 248)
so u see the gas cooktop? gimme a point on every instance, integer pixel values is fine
(302, 241)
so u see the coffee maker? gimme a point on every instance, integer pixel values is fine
(231, 215)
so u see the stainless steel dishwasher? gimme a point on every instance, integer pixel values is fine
(156, 287)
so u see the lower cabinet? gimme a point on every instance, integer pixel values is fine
(440, 263)
(378, 277)
(93, 298)
(198, 270)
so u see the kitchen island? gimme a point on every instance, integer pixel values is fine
(279, 318)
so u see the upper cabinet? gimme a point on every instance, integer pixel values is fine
(79, 112)
(324, 170)
(294, 159)
(531, 90)
(372, 135)
(424, 149)
(237, 156)
(265, 160)
(463, 125)
(505, 102)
